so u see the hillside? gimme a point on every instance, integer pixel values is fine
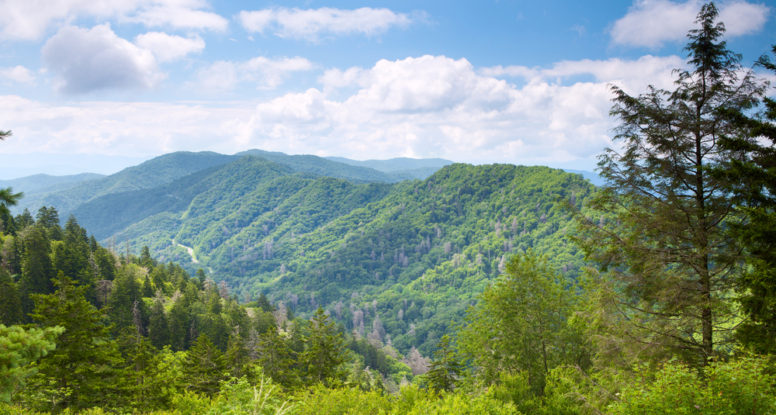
(68, 193)
(152, 173)
(398, 261)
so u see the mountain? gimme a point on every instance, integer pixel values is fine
(40, 183)
(152, 173)
(401, 168)
(324, 167)
(67, 193)
(398, 262)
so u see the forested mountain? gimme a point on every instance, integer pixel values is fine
(66, 193)
(40, 183)
(396, 262)
(152, 173)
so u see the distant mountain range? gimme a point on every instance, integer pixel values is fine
(397, 260)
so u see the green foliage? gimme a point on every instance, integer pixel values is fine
(445, 368)
(84, 370)
(324, 349)
(752, 180)
(204, 366)
(740, 387)
(330, 401)
(666, 250)
(10, 304)
(521, 324)
(19, 348)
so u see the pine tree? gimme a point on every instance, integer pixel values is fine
(668, 261)
(10, 304)
(158, 329)
(445, 367)
(752, 179)
(7, 198)
(324, 349)
(19, 348)
(276, 357)
(204, 366)
(85, 368)
(37, 270)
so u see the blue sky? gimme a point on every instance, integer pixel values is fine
(97, 85)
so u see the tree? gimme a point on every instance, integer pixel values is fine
(37, 270)
(520, 324)
(204, 366)
(158, 330)
(324, 349)
(19, 348)
(84, 369)
(752, 180)
(7, 198)
(10, 305)
(445, 368)
(668, 261)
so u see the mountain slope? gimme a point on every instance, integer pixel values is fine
(152, 173)
(396, 262)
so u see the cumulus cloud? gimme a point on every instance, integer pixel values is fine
(437, 106)
(17, 74)
(311, 24)
(30, 19)
(93, 59)
(650, 23)
(265, 73)
(168, 47)
(428, 106)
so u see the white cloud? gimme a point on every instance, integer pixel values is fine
(311, 24)
(18, 74)
(742, 18)
(265, 73)
(93, 59)
(632, 75)
(30, 19)
(168, 47)
(650, 23)
(428, 106)
(134, 129)
(179, 15)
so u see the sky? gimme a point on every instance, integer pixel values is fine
(99, 85)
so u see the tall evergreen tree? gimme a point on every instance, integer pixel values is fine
(85, 368)
(204, 367)
(445, 368)
(37, 270)
(10, 304)
(324, 349)
(670, 264)
(158, 330)
(7, 198)
(752, 179)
